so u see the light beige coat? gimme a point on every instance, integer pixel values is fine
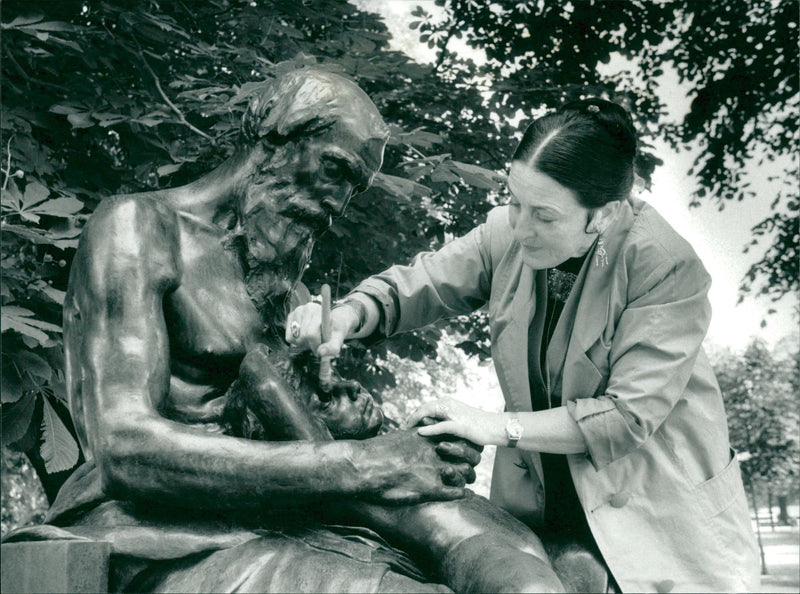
(659, 484)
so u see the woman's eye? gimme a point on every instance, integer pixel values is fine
(545, 218)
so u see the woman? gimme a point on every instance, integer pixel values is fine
(614, 434)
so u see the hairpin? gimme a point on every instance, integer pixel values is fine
(593, 109)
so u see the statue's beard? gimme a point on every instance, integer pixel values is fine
(273, 265)
(274, 234)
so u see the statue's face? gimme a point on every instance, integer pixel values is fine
(298, 189)
(349, 411)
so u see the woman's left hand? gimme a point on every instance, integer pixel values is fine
(458, 419)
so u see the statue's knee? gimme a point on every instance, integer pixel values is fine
(580, 570)
(487, 563)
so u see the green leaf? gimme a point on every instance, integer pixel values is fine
(13, 386)
(66, 109)
(59, 449)
(55, 295)
(27, 233)
(443, 174)
(34, 194)
(23, 20)
(10, 197)
(58, 207)
(29, 362)
(52, 26)
(108, 119)
(419, 137)
(399, 186)
(17, 417)
(20, 320)
(474, 175)
(80, 120)
(167, 169)
(61, 240)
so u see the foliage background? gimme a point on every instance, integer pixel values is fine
(107, 97)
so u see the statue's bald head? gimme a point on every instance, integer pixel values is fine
(306, 102)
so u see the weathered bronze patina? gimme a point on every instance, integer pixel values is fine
(168, 291)
(469, 544)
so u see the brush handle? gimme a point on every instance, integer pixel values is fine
(325, 363)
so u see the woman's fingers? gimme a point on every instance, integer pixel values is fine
(304, 326)
(304, 330)
(438, 409)
(444, 428)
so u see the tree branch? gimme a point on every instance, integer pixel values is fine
(27, 77)
(174, 108)
(440, 60)
(7, 170)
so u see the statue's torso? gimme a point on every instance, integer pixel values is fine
(211, 323)
(210, 320)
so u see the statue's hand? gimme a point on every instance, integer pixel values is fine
(408, 468)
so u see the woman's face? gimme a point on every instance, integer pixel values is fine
(547, 219)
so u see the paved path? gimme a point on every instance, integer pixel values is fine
(782, 552)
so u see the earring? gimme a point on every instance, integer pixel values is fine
(600, 254)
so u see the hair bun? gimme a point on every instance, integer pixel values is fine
(613, 118)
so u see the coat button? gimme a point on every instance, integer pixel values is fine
(619, 499)
(665, 586)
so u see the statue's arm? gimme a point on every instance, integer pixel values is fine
(117, 343)
(470, 544)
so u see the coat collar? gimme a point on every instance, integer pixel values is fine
(582, 321)
(589, 304)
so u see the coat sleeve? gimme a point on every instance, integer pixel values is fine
(452, 281)
(651, 358)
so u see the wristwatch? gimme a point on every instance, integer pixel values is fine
(513, 431)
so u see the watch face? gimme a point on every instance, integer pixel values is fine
(514, 429)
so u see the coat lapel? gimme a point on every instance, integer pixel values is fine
(585, 315)
(511, 341)
(519, 293)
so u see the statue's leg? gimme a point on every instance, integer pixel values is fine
(579, 566)
(276, 563)
(490, 563)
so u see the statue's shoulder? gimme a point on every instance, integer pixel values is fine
(133, 217)
(132, 229)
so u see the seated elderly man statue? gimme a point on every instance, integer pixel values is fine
(168, 292)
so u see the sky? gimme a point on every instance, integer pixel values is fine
(717, 237)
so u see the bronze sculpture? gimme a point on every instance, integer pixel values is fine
(469, 544)
(168, 291)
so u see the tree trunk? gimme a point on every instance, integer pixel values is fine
(769, 504)
(783, 510)
(758, 531)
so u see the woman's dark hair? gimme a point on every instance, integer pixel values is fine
(587, 146)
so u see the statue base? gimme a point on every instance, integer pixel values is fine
(54, 566)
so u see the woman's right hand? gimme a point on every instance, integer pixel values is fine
(304, 328)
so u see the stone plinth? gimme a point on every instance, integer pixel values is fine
(54, 566)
